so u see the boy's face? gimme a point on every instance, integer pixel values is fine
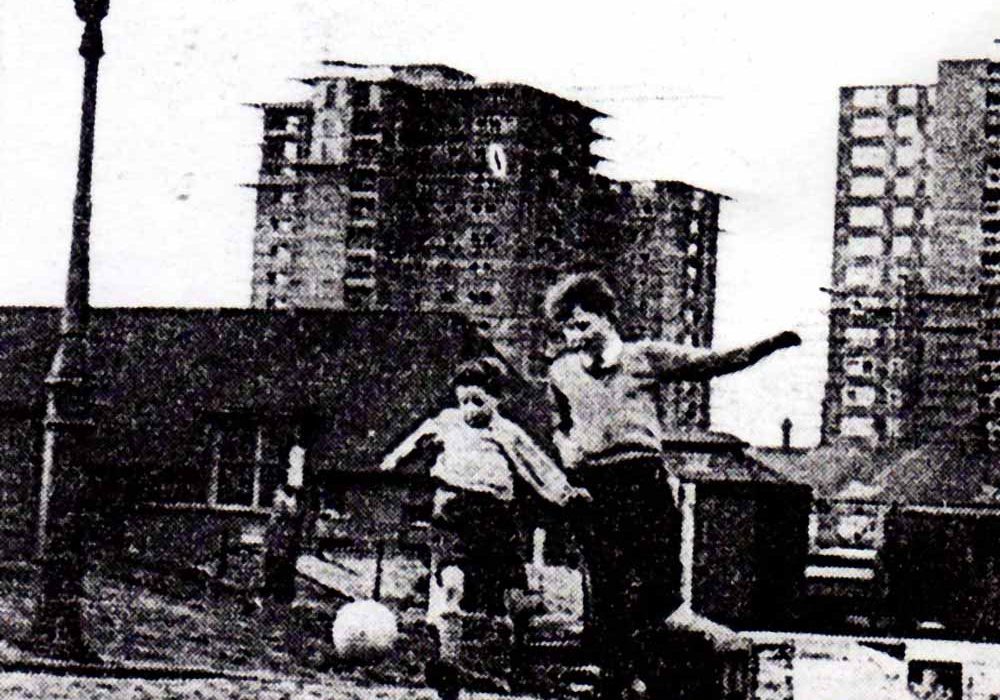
(477, 405)
(586, 331)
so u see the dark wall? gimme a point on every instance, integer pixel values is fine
(223, 543)
(944, 566)
(20, 447)
(751, 543)
(166, 378)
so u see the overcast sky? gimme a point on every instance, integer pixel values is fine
(738, 97)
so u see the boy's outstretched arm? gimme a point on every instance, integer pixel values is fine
(428, 430)
(534, 466)
(685, 363)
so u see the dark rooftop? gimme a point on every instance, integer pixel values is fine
(950, 469)
(160, 374)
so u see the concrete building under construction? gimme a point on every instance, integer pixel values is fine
(418, 188)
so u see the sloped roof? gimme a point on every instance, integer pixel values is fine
(731, 466)
(942, 472)
(161, 373)
(946, 470)
(404, 69)
(829, 470)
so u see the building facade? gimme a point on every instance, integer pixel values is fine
(419, 188)
(909, 263)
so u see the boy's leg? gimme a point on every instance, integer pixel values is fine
(442, 672)
(654, 564)
(463, 519)
(494, 554)
(507, 559)
(608, 631)
(631, 546)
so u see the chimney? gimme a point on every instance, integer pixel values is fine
(786, 435)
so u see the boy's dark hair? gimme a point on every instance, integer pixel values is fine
(587, 291)
(488, 373)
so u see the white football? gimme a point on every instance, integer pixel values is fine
(364, 629)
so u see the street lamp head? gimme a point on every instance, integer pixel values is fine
(91, 10)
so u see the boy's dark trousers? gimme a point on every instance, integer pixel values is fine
(487, 546)
(630, 541)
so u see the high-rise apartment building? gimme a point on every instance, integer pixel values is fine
(880, 216)
(418, 188)
(910, 245)
(989, 350)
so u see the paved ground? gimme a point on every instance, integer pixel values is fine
(21, 686)
(150, 617)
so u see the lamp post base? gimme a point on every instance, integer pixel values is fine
(57, 633)
(58, 622)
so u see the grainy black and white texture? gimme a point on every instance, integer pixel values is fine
(247, 531)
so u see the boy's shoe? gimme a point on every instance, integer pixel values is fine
(443, 677)
(684, 619)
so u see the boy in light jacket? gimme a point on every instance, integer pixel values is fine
(481, 455)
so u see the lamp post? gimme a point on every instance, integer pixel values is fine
(69, 424)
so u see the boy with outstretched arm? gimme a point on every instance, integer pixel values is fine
(608, 432)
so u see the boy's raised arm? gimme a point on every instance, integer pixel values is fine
(677, 362)
(427, 430)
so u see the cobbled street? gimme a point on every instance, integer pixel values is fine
(23, 686)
